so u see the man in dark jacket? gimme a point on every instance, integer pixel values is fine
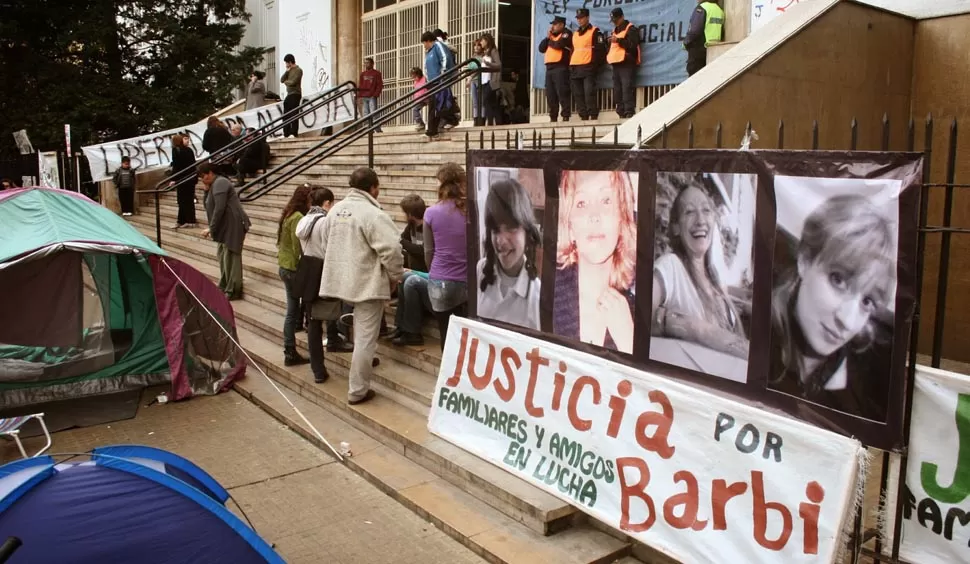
(706, 24)
(624, 57)
(412, 293)
(589, 50)
(293, 79)
(228, 225)
(557, 47)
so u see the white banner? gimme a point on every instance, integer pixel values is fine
(154, 151)
(763, 11)
(936, 502)
(305, 31)
(694, 475)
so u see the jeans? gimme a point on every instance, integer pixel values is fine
(291, 103)
(294, 314)
(418, 120)
(624, 90)
(447, 298)
(412, 301)
(478, 110)
(370, 106)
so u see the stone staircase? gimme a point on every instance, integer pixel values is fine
(499, 516)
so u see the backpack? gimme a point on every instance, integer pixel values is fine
(306, 285)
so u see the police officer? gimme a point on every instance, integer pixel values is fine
(588, 52)
(557, 48)
(624, 57)
(706, 25)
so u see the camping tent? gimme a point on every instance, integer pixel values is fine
(127, 503)
(92, 306)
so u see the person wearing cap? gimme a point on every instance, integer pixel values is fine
(557, 47)
(706, 26)
(588, 51)
(624, 57)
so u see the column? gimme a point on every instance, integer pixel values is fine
(347, 39)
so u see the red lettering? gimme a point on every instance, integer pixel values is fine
(761, 508)
(689, 500)
(721, 493)
(456, 377)
(638, 490)
(809, 514)
(509, 357)
(578, 422)
(535, 361)
(480, 382)
(558, 384)
(618, 407)
(658, 442)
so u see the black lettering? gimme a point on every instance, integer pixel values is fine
(955, 514)
(721, 424)
(747, 430)
(929, 511)
(652, 33)
(772, 445)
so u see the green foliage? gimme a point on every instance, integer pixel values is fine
(116, 68)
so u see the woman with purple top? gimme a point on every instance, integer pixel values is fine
(445, 250)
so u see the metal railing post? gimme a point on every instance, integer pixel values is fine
(370, 143)
(158, 220)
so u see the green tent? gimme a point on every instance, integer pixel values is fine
(91, 306)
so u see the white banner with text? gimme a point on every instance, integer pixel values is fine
(697, 476)
(936, 499)
(154, 151)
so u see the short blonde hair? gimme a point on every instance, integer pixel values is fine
(624, 260)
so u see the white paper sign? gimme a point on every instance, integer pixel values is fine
(694, 475)
(154, 151)
(305, 31)
(50, 176)
(936, 504)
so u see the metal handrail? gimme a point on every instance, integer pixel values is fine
(169, 183)
(365, 125)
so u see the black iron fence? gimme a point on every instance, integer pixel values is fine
(926, 345)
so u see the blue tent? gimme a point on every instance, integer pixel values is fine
(127, 503)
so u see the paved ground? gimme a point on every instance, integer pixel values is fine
(314, 509)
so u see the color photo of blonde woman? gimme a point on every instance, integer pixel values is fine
(833, 300)
(596, 258)
(702, 272)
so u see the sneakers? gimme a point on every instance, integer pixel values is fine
(408, 340)
(340, 346)
(126, 214)
(321, 378)
(293, 358)
(420, 127)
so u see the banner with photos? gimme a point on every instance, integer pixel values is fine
(936, 499)
(785, 277)
(154, 151)
(697, 476)
(662, 25)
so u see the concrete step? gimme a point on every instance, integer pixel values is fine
(486, 531)
(405, 431)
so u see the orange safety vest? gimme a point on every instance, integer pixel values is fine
(617, 54)
(583, 47)
(553, 55)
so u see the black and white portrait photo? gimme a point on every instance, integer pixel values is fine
(834, 292)
(703, 272)
(596, 258)
(510, 205)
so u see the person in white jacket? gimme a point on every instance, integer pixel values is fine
(362, 261)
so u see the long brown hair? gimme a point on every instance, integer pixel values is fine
(299, 202)
(451, 185)
(509, 204)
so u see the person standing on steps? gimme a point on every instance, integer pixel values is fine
(288, 256)
(362, 261)
(706, 26)
(183, 160)
(624, 57)
(440, 104)
(445, 249)
(589, 50)
(256, 93)
(228, 225)
(293, 79)
(557, 47)
(491, 80)
(124, 179)
(369, 88)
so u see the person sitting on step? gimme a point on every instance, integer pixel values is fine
(412, 293)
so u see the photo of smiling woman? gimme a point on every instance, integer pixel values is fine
(834, 294)
(596, 258)
(508, 274)
(703, 272)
